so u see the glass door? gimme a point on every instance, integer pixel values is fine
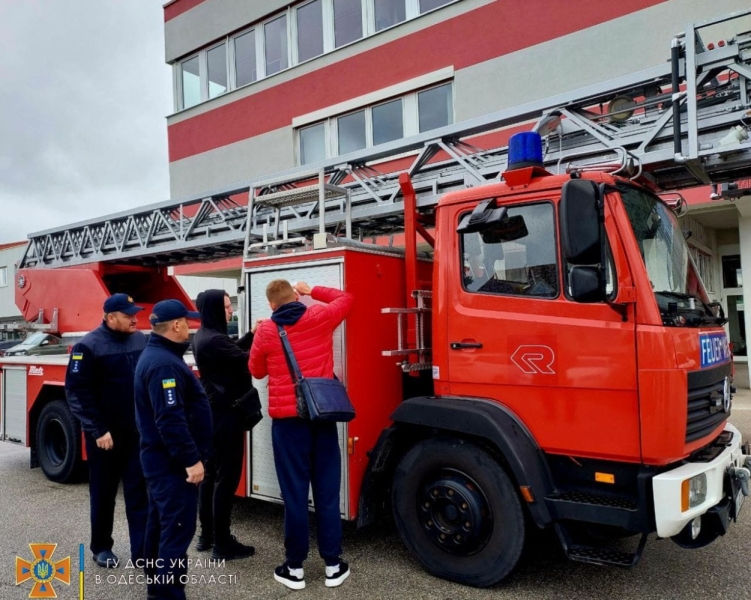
(732, 301)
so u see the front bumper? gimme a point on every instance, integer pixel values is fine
(669, 518)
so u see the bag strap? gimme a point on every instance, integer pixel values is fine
(294, 369)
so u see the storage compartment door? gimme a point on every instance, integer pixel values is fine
(13, 410)
(262, 476)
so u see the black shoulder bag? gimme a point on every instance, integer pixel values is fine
(318, 398)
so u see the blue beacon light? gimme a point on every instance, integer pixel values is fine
(524, 150)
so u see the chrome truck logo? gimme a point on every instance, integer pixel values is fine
(534, 359)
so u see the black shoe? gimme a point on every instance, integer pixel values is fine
(232, 550)
(204, 543)
(282, 575)
(338, 577)
(106, 559)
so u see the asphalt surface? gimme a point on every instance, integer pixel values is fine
(34, 509)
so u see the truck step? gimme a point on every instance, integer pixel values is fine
(605, 555)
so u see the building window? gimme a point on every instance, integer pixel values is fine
(352, 134)
(309, 31)
(191, 82)
(426, 5)
(499, 261)
(731, 271)
(376, 124)
(436, 107)
(703, 264)
(313, 144)
(275, 33)
(388, 122)
(217, 67)
(3, 276)
(246, 70)
(389, 13)
(347, 21)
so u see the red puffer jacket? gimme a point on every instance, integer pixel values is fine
(311, 338)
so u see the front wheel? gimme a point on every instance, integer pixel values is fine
(457, 512)
(58, 442)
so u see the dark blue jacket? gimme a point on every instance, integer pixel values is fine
(172, 410)
(99, 381)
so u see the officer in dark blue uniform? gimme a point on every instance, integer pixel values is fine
(99, 388)
(174, 419)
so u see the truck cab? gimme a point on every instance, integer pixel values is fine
(575, 346)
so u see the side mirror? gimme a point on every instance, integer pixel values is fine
(581, 240)
(580, 223)
(585, 284)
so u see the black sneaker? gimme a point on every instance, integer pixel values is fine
(335, 576)
(232, 550)
(283, 574)
(107, 559)
(204, 543)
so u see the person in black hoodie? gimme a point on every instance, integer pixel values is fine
(223, 367)
(99, 389)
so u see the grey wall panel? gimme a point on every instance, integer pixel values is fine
(261, 155)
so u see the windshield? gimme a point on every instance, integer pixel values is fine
(674, 278)
(33, 339)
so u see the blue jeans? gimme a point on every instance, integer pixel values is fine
(308, 453)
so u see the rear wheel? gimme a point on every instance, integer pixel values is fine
(457, 512)
(58, 442)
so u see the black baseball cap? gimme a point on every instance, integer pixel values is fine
(169, 310)
(121, 303)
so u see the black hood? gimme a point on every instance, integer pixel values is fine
(211, 306)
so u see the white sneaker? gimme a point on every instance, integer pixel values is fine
(336, 575)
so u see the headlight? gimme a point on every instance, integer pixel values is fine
(693, 491)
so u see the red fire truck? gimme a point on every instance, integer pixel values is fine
(537, 348)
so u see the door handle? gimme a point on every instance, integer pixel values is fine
(464, 345)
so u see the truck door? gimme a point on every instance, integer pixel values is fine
(568, 370)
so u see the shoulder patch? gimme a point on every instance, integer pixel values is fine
(77, 356)
(168, 383)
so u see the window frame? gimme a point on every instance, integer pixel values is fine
(4, 279)
(558, 258)
(207, 82)
(257, 42)
(181, 82)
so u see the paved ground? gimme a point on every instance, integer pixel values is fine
(36, 510)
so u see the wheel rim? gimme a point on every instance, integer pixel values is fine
(454, 512)
(55, 442)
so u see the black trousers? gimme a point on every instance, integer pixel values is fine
(223, 471)
(173, 504)
(106, 469)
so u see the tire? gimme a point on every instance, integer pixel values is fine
(457, 512)
(58, 442)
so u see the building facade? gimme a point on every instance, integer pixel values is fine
(267, 85)
(10, 254)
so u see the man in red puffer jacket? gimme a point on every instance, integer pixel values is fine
(303, 450)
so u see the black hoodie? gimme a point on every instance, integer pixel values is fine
(222, 363)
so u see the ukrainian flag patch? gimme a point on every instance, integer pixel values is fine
(168, 383)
